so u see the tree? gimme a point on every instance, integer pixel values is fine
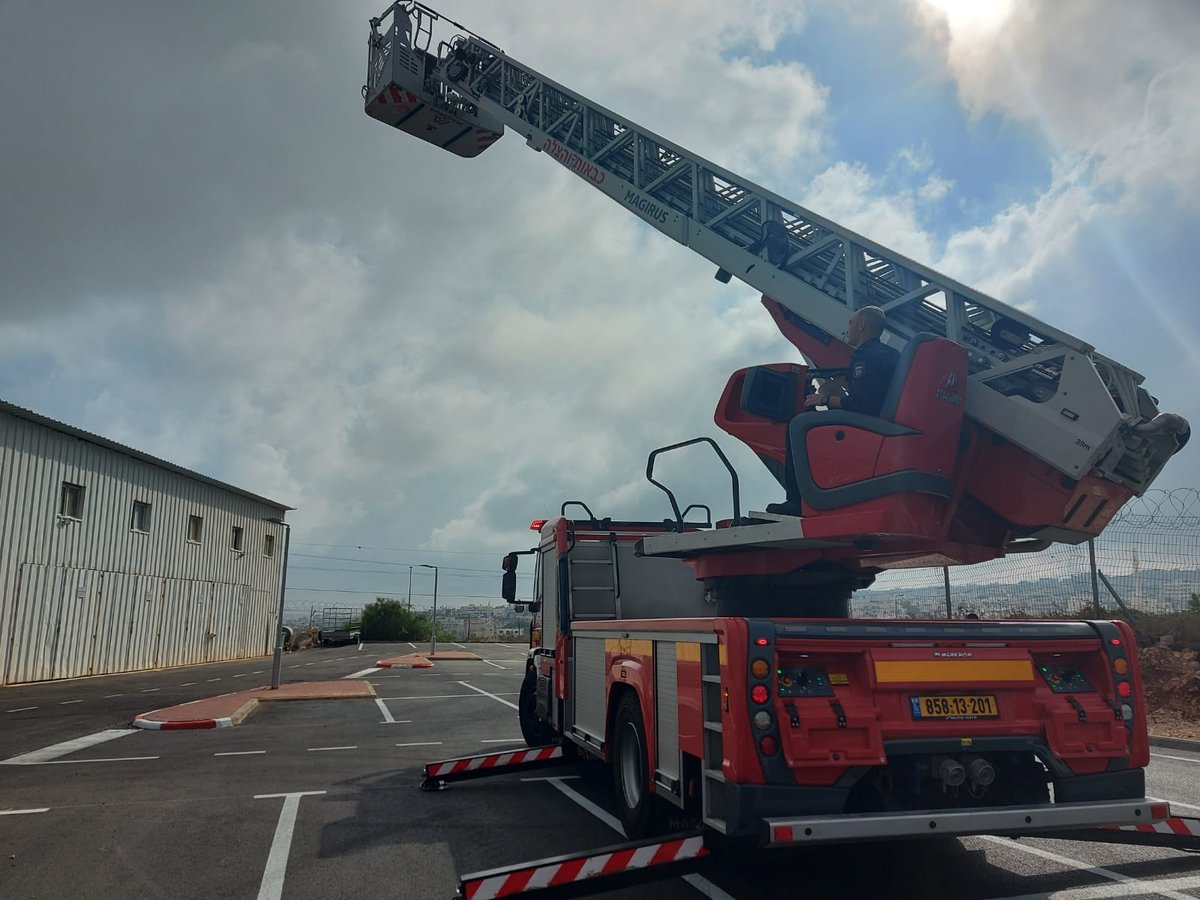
(388, 620)
(1194, 603)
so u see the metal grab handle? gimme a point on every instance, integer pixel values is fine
(737, 505)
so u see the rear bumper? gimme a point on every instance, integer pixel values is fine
(1011, 820)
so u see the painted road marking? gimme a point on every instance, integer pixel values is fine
(272, 880)
(23, 812)
(1140, 887)
(296, 666)
(422, 744)
(387, 715)
(257, 671)
(364, 672)
(1159, 887)
(188, 684)
(68, 702)
(1180, 758)
(452, 696)
(241, 753)
(54, 751)
(700, 883)
(243, 675)
(411, 644)
(22, 709)
(360, 646)
(503, 741)
(497, 665)
(210, 681)
(459, 646)
(110, 696)
(148, 691)
(495, 697)
(71, 762)
(322, 749)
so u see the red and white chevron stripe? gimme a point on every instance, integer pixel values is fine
(1172, 825)
(491, 761)
(581, 868)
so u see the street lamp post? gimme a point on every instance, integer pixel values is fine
(277, 665)
(410, 568)
(433, 632)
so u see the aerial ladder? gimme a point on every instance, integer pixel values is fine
(1000, 434)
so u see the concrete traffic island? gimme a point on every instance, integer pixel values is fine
(230, 709)
(423, 660)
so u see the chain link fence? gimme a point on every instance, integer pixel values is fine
(1147, 560)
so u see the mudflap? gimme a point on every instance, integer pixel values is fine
(438, 774)
(581, 874)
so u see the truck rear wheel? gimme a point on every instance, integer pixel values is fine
(631, 769)
(536, 732)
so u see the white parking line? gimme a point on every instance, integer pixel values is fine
(422, 744)
(459, 646)
(699, 882)
(54, 751)
(411, 644)
(497, 665)
(21, 709)
(1132, 885)
(364, 672)
(241, 753)
(323, 749)
(23, 812)
(272, 880)
(1160, 887)
(387, 714)
(493, 696)
(1180, 758)
(68, 702)
(451, 696)
(71, 762)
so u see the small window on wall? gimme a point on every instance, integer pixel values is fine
(269, 546)
(235, 538)
(140, 519)
(70, 504)
(195, 529)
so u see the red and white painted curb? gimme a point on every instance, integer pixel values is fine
(491, 761)
(1171, 825)
(156, 725)
(582, 868)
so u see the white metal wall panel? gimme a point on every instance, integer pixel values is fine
(38, 548)
(588, 685)
(31, 626)
(666, 687)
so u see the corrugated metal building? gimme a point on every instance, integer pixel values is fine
(112, 560)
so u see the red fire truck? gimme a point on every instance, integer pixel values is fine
(713, 665)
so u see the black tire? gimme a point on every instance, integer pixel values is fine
(536, 732)
(631, 769)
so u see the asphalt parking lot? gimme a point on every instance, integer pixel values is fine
(319, 799)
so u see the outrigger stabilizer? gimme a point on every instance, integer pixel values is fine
(438, 774)
(654, 859)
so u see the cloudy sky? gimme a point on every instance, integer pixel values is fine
(208, 251)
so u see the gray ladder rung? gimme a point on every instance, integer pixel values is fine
(713, 726)
(591, 562)
(715, 775)
(610, 590)
(711, 679)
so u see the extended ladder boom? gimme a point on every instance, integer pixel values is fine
(1040, 388)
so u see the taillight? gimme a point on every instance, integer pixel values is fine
(761, 642)
(760, 694)
(760, 668)
(768, 745)
(1120, 665)
(1124, 688)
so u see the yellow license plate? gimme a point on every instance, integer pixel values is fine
(954, 706)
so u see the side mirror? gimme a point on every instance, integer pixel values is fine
(508, 585)
(535, 608)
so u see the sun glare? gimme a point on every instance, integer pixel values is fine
(978, 18)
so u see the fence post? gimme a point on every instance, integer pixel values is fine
(1095, 580)
(946, 580)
